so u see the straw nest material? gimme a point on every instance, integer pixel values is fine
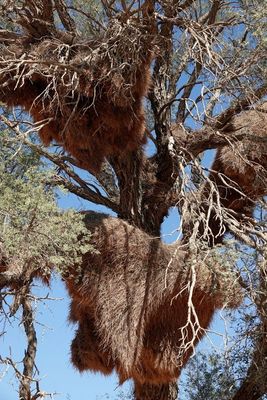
(243, 165)
(89, 94)
(238, 178)
(141, 306)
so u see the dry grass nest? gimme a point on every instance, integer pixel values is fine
(141, 306)
(89, 93)
(242, 166)
(248, 158)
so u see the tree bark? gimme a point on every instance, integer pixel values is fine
(30, 354)
(248, 391)
(156, 392)
(149, 218)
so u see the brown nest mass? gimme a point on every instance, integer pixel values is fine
(243, 165)
(141, 306)
(88, 93)
(238, 177)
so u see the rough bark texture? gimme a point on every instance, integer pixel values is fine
(30, 354)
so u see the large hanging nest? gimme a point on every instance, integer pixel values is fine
(87, 93)
(141, 306)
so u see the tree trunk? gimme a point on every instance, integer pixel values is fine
(248, 391)
(155, 392)
(145, 209)
(29, 359)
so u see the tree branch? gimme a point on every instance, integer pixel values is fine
(83, 190)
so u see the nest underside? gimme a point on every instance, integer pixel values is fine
(132, 304)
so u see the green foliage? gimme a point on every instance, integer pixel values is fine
(15, 158)
(216, 375)
(89, 16)
(34, 233)
(209, 377)
(119, 395)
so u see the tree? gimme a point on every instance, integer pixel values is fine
(35, 235)
(216, 374)
(82, 75)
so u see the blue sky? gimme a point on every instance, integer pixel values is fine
(53, 358)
